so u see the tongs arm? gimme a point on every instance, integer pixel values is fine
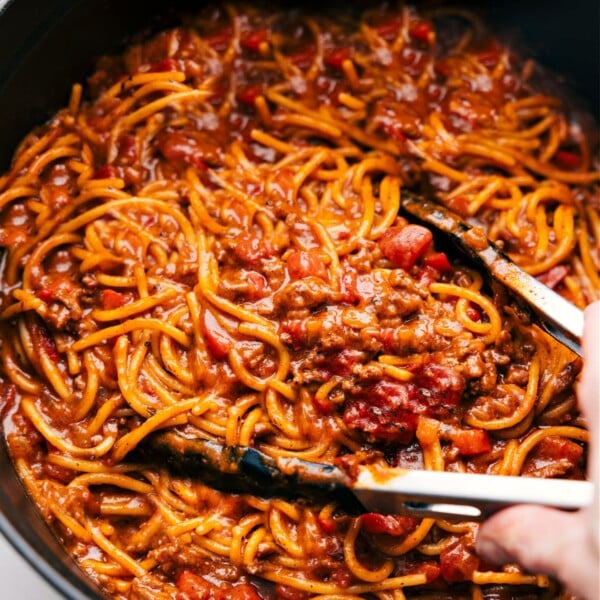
(558, 317)
(376, 489)
(462, 495)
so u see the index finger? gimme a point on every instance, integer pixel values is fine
(589, 388)
(589, 398)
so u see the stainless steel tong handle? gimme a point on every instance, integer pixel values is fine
(379, 489)
(457, 495)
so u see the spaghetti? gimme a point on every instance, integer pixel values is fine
(207, 238)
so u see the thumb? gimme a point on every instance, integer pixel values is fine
(541, 540)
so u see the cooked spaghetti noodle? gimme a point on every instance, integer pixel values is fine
(207, 239)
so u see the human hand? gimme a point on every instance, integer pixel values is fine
(544, 540)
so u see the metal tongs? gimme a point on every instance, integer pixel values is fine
(558, 317)
(462, 496)
(390, 490)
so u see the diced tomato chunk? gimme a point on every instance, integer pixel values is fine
(341, 576)
(180, 148)
(295, 331)
(8, 396)
(217, 339)
(250, 248)
(287, 592)
(255, 39)
(404, 246)
(558, 448)
(427, 276)
(422, 31)
(323, 405)
(306, 263)
(45, 294)
(341, 363)
(470, 442)
(390, 524)
(42, 339)
(349, 285)
(389, 29)
(429, 568)
(106, 172)
(439, 386)
(473, 312)
(554, 276)
(439, 261)
(568, 160)
(127, 146)
(326, 524)
(458, 562)
(164, 65)
(112, 299)
(380, 420)
(242, 591)
(193, 587)
(488, 58)
(219, 40)
(257, 284)
(336, 58)
(248, 95)
(388, 410)
(302, 58)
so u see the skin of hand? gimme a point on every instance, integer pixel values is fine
(544, 540)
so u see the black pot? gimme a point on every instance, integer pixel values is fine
(46, 46)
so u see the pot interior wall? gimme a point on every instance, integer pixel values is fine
(46, 46)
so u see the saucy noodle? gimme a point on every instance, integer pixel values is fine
(207, 239)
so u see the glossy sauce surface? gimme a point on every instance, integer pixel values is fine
(210, 241)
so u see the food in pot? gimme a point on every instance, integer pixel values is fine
(207, 240)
